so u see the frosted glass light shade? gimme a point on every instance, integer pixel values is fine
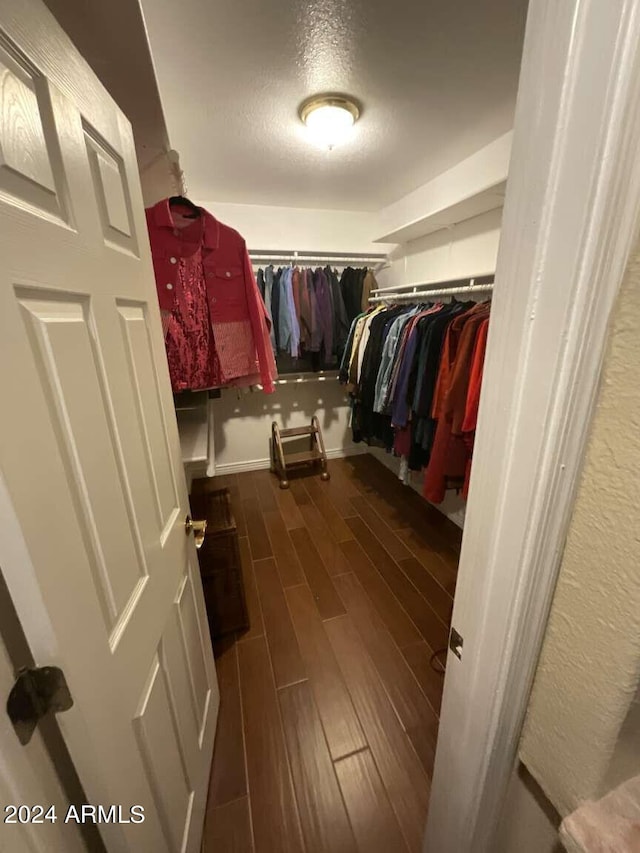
(329, 120)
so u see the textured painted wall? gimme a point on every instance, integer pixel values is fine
(589, 669)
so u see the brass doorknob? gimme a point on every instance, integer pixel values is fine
(198, 528)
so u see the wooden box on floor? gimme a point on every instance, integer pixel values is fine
(219, 559)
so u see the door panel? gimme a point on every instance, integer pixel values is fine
(27, 776)
(89, 450)
(157, 734)
(144, 381)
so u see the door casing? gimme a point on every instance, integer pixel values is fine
(571, 217)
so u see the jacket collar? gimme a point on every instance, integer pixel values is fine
(162, 219)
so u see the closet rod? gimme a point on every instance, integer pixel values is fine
(417, 294)
(482, 278)
(303, 258)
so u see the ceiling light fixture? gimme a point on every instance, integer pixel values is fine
(329, 118)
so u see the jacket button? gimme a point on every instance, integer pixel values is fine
(228, 274)
(169, 286)
(213, 299)
(173, 260)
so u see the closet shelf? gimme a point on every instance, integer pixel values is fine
(301, 378)
(189, 401)
(488, 199)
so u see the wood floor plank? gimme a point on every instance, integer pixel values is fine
(417, 716)
(228, 828)
(370, 486)
(393, 614)
(439, 599)
(276, 826)
(246, 485)
(257, 532)
(402, 774)
(340, 474)
(283, 647)
(330, 551)
(374, 824)
(300, 494)
(324, 593)
(406, 508)
(340, 489)
(228, 776)
(380, 528)
(422, 548)
(424, 618)
(320, 496)
(339, 719)
(266, 498)
(324, 821)
(418, 656)
(286, 558)
(256, 627)
(287, 505)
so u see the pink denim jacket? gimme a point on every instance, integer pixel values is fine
(238, 315)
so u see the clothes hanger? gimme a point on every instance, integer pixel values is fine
(176, 200)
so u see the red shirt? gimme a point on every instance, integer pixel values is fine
(237, 312)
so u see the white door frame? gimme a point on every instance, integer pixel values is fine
(571, 216)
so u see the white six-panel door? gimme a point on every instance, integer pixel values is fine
(92, 538)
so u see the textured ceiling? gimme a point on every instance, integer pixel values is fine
(437, 80)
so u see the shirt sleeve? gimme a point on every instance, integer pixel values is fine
(260, 325)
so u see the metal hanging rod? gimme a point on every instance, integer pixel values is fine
(476, 280)
(419, 293)
(301, 258)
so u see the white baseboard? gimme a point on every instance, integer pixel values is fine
(261, 464)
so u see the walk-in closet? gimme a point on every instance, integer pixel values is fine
(346, 460)
(323, 186)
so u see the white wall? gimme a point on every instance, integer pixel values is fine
(583, 721)
(469, 248)
(242, 425)
(292, 228)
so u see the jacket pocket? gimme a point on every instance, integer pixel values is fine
(227, 292)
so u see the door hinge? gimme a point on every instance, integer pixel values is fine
(36, 692)
(456, 643)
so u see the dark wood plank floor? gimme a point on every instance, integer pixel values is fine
(329, 706)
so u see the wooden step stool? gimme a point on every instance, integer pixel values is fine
(281, 461)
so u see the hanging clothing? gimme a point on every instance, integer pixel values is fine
(324, 314)
(289, 328)
(450, 454)
(275, 307)
(414, 373)
(222, 280)
(340, 317)
(268, 295)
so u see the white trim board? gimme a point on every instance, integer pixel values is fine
(570, 219)
(261, 464)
